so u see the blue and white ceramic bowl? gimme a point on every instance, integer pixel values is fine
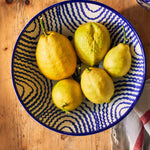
(34, 89)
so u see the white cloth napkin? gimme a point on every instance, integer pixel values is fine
(133, 132)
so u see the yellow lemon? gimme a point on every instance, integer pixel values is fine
(97, 85)
(55, 56)
(67, 94)
(117, 61)
(92, 41)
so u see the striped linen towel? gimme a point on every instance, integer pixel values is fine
(133, 132)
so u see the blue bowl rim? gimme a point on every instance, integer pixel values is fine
(144, 76)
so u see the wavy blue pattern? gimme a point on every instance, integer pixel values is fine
(46, 21)
(23, 80)
(26, 46)
(103, 110)
(82, 120)
(25, 52)
(125, 107)
(31, 30)
(98, 15)
(22, 58)
(78, 13)
(64, 128)
(73, 124)
(122, 105)
(23, 91)
(32, 103)
(96, 117)
(93, 11)
(27, 41)
(34, 89)
(74, 14)
(72, 20)
(48, 115)
(85, 109)
(36, 35)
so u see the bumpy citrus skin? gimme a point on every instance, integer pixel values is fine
(117, 61)
(97, 85)
(55, 56)
(92, 41)
(67, 93)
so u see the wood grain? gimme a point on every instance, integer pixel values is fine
(18, 131)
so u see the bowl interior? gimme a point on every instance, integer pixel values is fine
(34, 89)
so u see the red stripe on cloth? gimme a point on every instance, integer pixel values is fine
(139, 142)
(146, 117)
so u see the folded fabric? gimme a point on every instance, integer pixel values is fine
(133, 132)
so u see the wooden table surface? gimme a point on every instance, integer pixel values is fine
(18, 131)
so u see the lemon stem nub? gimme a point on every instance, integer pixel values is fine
(64, 108)
(43, 28)
(124, 35)
(88, 69)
